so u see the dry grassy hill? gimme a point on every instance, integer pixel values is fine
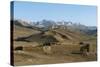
(67, 51)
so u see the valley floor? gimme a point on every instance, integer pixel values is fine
(64, 53)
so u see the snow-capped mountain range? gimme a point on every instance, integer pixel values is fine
(52, 24)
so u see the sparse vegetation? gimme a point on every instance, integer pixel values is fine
(68, 49)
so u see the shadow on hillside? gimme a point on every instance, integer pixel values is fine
(40, 38)
(29, 38)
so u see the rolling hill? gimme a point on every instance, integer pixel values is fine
(73, 32)
(31, 38)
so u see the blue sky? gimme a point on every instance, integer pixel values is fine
(34, 11)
